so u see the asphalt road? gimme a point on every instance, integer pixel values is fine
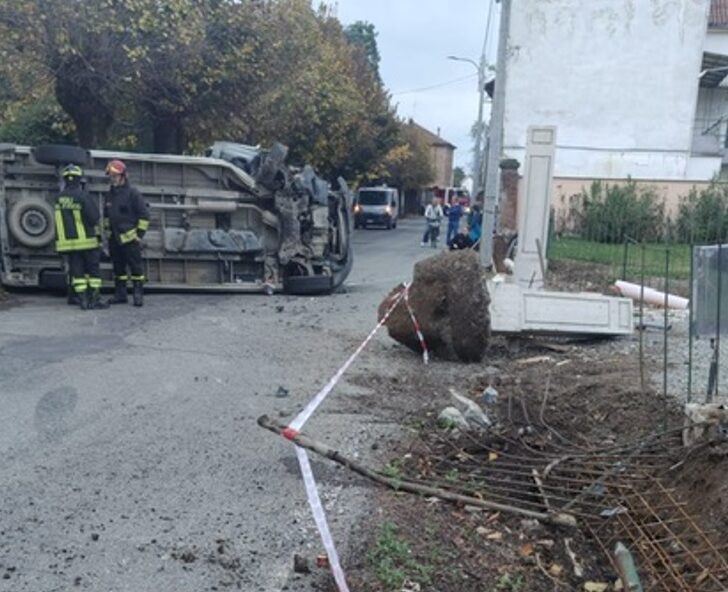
(131, 460)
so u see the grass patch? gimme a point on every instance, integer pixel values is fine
(510, 583)
(578, 249)
(393, 561)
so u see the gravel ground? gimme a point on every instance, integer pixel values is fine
(132, 459)
(679, 373)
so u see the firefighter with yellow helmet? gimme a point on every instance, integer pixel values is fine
(77, 237)
(126, 217)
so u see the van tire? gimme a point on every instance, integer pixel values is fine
(31, 222)
(60, 154)
(302, 285)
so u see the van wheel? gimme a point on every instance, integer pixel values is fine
(31, 222)
(389, 225)
(60, 154)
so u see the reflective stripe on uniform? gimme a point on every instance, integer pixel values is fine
(137, 278)
(143, 224)
(81, 242)
(122, 278)
(94, 283)
(74, 244)
(128, 236)
(79, 284)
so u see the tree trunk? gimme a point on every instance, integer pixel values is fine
(168, 132)
(91, 117)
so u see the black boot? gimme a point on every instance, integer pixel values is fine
(83, 300)
(138, 293)
(119, 296)
(72, 297)
(95, 300)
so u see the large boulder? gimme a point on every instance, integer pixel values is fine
(449, 298)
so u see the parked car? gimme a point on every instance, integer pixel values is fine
(376, 206)
(237, 219)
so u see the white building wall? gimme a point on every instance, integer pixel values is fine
(619, 79)
(717, 41)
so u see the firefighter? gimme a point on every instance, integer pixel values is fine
(77, 237)
(127, 219)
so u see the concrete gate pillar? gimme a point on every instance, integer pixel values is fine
(534, 206)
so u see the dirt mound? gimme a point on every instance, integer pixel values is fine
(450, 300)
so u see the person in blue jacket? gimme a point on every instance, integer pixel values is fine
(475, 225)
(454, 213)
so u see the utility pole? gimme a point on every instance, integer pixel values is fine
(478, 164)
(478, 156)
(495, 138)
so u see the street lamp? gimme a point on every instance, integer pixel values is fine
(479, 135)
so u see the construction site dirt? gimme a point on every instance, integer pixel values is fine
(573, 432)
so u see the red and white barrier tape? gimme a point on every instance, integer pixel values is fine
(319, 517)
(308, 411)
(296, 425)
(420, 336)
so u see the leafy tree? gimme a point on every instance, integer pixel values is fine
(41, 122)
(172, 76)
(407, 165)
(323, 100)
(192, 65)
(363, 35)
(458, 174)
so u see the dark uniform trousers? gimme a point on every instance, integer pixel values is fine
(126, 256)
(84, 267)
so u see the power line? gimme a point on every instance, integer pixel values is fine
(453, 81)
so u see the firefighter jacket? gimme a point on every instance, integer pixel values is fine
(77, 219)
(126, 214)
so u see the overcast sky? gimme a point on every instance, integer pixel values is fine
(415, 36)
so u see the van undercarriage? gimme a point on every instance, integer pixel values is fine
(238, 220)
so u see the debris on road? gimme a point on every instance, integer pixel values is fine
(450, 300)
(451, 417)
(300, 564)
(473, 413)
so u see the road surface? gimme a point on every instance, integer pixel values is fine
(131, 456)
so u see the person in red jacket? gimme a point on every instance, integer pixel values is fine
(126, 219)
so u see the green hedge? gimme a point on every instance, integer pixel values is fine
(610, 213)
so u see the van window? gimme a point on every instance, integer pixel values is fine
(373, 198)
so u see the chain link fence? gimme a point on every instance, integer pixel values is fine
(622, 233)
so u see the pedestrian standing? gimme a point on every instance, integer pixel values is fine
(454, 214)
(475, 226)
(127, 219)
(433, 217)
(77, 237)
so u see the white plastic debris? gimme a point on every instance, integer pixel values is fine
(473, 411)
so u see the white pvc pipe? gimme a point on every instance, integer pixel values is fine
(655, 297)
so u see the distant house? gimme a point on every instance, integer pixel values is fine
(442, 154)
